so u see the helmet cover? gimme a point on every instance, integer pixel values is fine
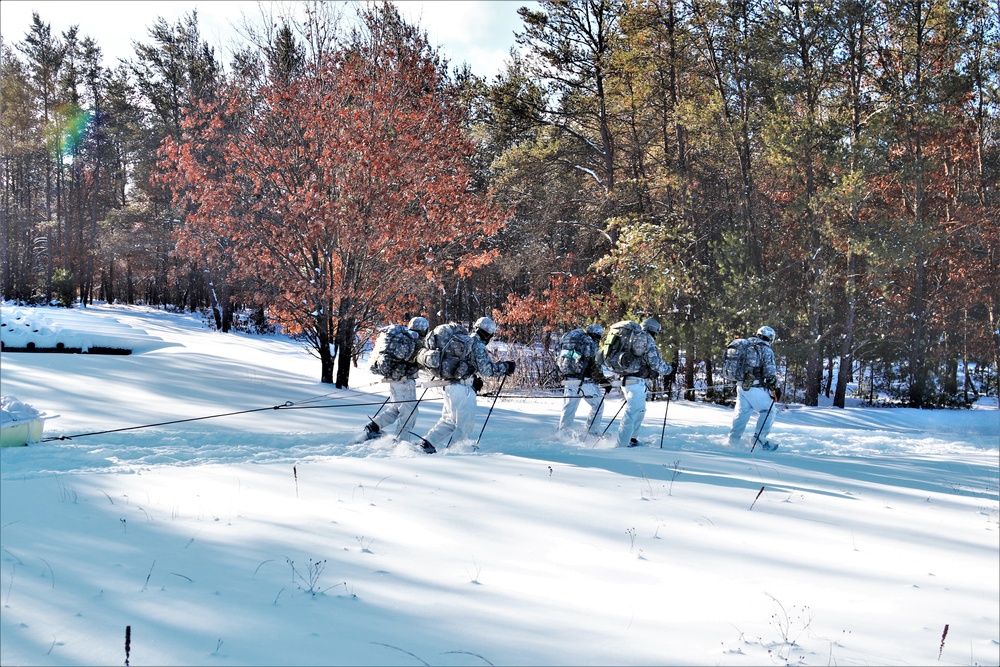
(651, 326)
(766, 334)
(419, 324)
(486, 325)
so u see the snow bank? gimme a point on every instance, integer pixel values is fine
(222, 531)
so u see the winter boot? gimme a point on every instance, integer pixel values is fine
(372, 431)
(768, 446)
(426, 446)
(633, 443)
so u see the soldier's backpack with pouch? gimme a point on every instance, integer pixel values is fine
(393, 353)
(447, 352)
(576, 351)
(742, 361)
(624, 347)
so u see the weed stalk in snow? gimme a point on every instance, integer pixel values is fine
(13, 568)
(51, 571)
(308, 582)
(674, 472)
(943, 635)
(67, 494)
(649, 486)
(260, 566)
(128, 642)
(479, 569)
(145, 585)
(758, 496)
(475, 655)
(403, 651)
(789, 628)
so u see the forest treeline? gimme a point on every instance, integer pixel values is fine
(829, 168)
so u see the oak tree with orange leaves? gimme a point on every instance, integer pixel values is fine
(329, 187)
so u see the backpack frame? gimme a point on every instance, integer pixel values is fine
(392, 355)
(576, 352)
(742, 360)
(447, 352)
(619, 348)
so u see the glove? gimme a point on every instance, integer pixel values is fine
(777, 393)
(510, 368)
(477, 384)
(606, 386)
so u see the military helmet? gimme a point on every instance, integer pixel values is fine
(766, 334)
(595, 330)
(651, 326)
(420, 325)
(486, 325)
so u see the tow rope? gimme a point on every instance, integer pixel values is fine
(289, 405)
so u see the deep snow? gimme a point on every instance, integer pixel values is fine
(268, 537)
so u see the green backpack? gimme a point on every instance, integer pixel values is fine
(619, 347)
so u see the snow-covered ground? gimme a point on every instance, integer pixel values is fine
(266, 537)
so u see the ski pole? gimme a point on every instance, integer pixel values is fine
(613, 418)
(597, 411)
(756, 435)
(670, 382)
(412, 412)
(495, 397)
(372, 418)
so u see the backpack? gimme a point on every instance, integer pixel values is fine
(624, 347)
(447, 352)
(742, 360)
(576, 352)
(393, 353)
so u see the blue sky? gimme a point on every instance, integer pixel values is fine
(478, 32)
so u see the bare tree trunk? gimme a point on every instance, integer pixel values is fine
(345, 349)
(814, 361)
(847, 342)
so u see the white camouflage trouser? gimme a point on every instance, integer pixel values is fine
(458, 415)
(634, 391)
(753, 400)
(401, 408)
(572, 393)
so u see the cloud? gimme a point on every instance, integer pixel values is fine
(480, 33)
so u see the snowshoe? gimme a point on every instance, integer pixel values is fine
(426, 446)
(768, 446)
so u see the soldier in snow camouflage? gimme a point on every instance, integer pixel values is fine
(581, 375)
(458, 413)
(401, 375)
(646, 365)
(759, 396)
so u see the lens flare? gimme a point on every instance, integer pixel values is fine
(69, 127)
